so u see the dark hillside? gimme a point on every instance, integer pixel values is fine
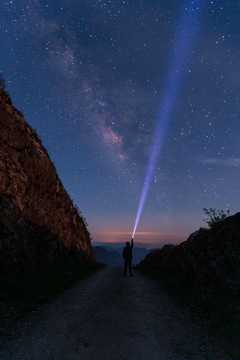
(210, 256)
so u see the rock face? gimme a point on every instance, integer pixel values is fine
(211, 256)
(39, 225)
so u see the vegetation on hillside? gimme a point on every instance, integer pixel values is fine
(2, 88)
(2, 81)
(215, 216)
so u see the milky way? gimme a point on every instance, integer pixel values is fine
(90, 76)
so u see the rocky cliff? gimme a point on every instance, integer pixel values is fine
(39, 225)
(211, 256)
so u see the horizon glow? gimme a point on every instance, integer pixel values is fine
(188, 24)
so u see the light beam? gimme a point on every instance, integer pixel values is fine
(187, 27)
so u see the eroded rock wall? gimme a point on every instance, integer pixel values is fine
(39, 226)
(211, 256)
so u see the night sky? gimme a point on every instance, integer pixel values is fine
(92, 77)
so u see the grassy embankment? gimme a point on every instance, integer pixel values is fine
(219, 310)
(20, 295)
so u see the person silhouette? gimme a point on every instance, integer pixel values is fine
(127, 256)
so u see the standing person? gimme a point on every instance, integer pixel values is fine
(127, 256)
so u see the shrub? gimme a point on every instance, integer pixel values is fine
(2, 81)
(215, 216)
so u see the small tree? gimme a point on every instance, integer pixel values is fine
(2, 81)
(215, 216)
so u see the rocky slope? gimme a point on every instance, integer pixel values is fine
(39, 225)
(211, 256)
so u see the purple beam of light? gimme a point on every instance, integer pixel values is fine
(187, 27)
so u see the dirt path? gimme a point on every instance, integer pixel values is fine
(108, 317)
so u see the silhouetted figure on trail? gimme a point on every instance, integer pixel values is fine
(127, 255)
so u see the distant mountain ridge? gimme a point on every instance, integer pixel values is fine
(116, 245)
(108, 257)
(113, 256)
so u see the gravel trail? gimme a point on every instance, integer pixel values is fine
(111, 317)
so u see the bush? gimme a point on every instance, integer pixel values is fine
(7, 96)
(2, 81)
(215, 216)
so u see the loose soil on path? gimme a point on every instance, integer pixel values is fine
(111, 317)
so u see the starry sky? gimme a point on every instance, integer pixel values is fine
(91, 77)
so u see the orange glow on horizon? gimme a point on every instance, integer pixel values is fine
(141, 236)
